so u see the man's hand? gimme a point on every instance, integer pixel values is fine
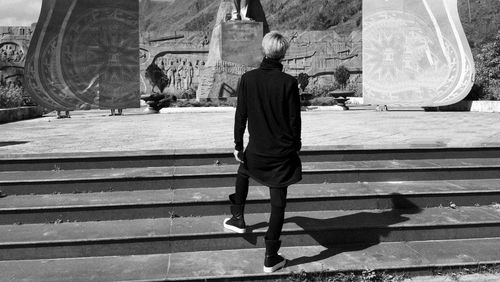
(238, 156)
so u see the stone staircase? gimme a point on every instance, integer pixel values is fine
(157, 215)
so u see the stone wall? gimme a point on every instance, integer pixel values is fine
(16, 114)
(472, 106)
(14, 42)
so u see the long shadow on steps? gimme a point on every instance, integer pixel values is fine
(318, 229)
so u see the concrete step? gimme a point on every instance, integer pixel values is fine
(122, 205)
(155, 178)
(192, 234)
(246, 264)
(162, 158)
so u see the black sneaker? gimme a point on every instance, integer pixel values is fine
(235, 224)
(273, 263)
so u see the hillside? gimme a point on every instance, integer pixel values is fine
(164, 17)
(484, 21)
(161, 17)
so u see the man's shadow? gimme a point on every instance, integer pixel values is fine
(350, 237)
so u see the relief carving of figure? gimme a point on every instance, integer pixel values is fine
(170, 74)
(17, 57)
(178, 80)
(196, 69)
(181, 70)
(189, 75)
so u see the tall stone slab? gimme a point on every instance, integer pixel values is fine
(415, 53)
(85, 52)
(235, 48)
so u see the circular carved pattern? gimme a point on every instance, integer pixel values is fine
(11, 53)
(99, 55)
(51, 80)
(404, 60)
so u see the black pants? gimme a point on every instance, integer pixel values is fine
(278, 205)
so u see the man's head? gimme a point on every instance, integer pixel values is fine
(275, 45)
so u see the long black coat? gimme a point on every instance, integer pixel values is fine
(269, 100)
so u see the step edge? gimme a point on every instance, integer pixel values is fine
(228, 151)
(249, 200)
(208, 235)
(222, 174)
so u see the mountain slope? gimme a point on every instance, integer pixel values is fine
(162, 17)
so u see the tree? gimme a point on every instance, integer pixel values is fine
(303, 80)
(487, 84)
(342, 75)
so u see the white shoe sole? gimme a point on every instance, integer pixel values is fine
(233, 228)
(275, 267)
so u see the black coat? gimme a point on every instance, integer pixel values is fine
(269, 100)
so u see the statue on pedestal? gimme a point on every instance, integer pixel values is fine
(240, 13)
(235, 47)
(249, 10)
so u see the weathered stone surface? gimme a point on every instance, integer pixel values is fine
(235, 48)
(10, 115)
(319, 52)
(14, 42)
(85, 52)
(241, 42)
(415, 53)
(191, 47)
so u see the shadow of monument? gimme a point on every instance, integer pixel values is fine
(226, 91)
(12, 143)
(326, 232)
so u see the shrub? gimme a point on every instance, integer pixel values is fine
(323, 101)
(11, 97)
(303, 80)
(322, 90)
(196, 103)
(487, 84)
(188, 94)
(342, 75)
(159, 101)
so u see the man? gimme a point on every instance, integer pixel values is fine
(268, 99)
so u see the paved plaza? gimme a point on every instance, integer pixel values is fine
(94, 131)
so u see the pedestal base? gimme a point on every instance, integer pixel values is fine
(340, 108)
(235, 48)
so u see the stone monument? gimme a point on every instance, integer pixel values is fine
(14, 42)
(235, 48)
(85, 53)
(415, 53)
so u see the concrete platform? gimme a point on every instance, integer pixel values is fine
(160, 166)
(94, 131)
(247, 264)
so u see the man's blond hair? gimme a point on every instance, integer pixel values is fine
(275, 45)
